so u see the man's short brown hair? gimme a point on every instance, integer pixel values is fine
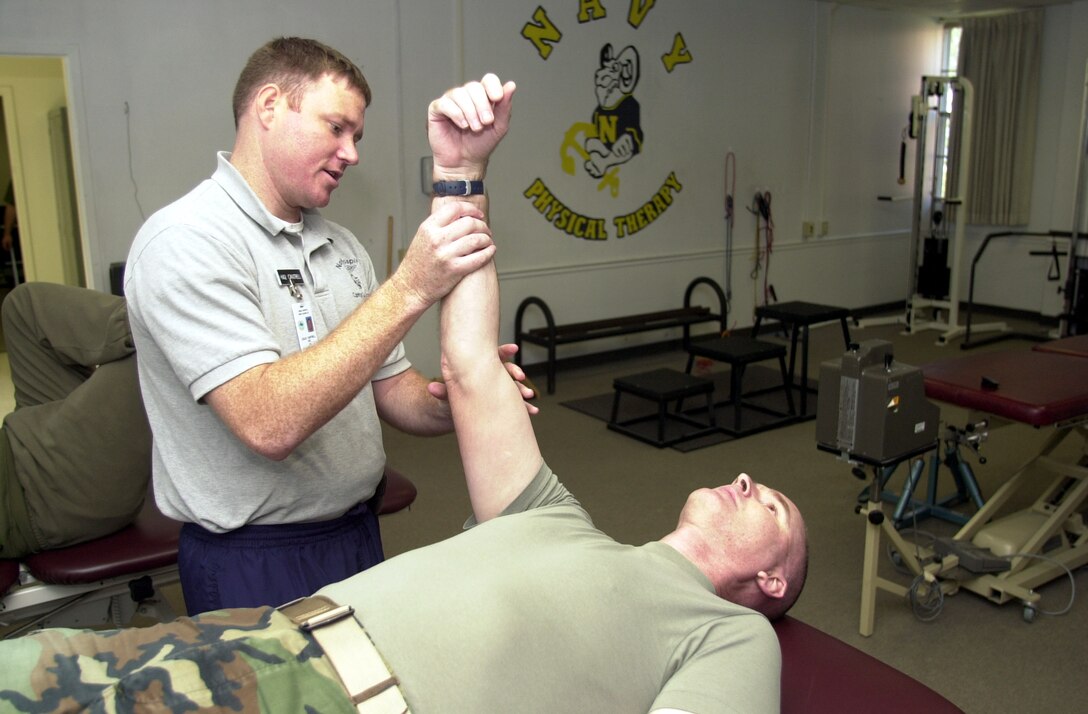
(293, 64)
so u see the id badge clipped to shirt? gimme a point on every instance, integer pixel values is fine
(304, 325)
(300, 311)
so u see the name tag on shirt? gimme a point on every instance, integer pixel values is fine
(291, 279)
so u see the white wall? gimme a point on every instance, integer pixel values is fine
(811, 98)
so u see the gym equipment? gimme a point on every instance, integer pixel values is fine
(939, 221)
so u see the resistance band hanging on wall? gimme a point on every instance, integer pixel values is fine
(903, 156)
(730, 186)
(761, 208)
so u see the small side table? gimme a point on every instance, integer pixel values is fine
(799, 316)
(739, 352)
(664, 386)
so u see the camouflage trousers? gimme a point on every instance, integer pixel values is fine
(244, 660)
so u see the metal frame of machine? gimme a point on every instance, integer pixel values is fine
(943, 312)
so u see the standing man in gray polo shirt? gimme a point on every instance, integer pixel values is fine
(268, 350)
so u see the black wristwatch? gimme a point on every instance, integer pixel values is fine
(458, 188)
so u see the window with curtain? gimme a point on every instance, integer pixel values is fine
(1000, 56)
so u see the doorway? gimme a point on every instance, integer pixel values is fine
(11, 264)
(34, 93)
(36, 163)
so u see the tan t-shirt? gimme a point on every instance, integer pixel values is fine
(538, 611)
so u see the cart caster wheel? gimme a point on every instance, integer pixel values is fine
(897, 560)
(1029, 613)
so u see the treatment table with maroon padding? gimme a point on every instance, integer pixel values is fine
(822, 674)
(110, 579)
(999, 555)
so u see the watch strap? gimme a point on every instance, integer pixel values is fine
(458, 188)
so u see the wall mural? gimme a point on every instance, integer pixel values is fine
(612, 139)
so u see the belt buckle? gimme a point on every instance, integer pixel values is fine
(316, 612)
(326, 618)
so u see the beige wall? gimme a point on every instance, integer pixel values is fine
(31, 88)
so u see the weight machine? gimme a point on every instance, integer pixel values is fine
(939, 220)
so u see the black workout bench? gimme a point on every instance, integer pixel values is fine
(552, 335)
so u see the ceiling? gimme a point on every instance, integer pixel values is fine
(952, 8)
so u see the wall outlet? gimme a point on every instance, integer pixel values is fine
(808, 229)
(824, 228)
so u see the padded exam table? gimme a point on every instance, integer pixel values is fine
(108, 580)
(1045, 387)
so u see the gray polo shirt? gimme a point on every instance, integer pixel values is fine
(205, 281)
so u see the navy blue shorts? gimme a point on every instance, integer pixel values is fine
(272, 564)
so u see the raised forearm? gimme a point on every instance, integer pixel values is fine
(494, 433)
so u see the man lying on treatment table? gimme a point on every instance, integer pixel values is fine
(531, 609)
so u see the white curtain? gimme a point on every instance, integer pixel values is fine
(1001, 56)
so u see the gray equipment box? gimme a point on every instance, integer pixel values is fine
(873, 409)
